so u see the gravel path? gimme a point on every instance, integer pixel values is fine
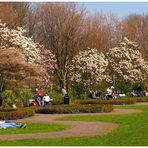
(78, 128)
(141, 103)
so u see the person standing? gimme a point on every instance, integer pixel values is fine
(41, 95)
(64, 91)
(41, 92)
(66, 97)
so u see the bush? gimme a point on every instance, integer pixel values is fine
(76, 91)
(23, 96)
(71, 109)
(57, 97)
(8, 109)
(112, 101)
(125, 87)
(141, 99)
(8, 97)
(13, 114)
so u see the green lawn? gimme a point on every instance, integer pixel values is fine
(35, 128)
(131, 132)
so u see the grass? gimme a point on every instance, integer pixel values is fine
(131, 132)
(35, 128)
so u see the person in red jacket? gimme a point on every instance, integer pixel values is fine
(41, 92)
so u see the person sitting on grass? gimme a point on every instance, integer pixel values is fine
(9, 124)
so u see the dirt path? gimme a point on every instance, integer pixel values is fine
(141, 103)
(78, 128)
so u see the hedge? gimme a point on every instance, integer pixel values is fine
(141, 99)
(13, 114)
(105, 101)
(71, 109)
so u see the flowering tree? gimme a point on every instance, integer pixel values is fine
(49, 63)
(48, 60)
(15, 38)
(126, 63)
(20, 59)
(15, 72)
(89, 66)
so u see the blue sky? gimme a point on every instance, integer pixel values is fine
(121, 9)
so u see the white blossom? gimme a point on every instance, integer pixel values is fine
(15, 38)
(89, 65)
(127, 63)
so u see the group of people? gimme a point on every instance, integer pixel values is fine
(95, 94)
(110, 93)
(42, 99)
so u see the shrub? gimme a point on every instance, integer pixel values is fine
(7, 109)
(23, 96)
(112, 101)
(8, 97)
(76, 90)
(125, 87)
(71, 109)
(141, 99)
(57, 97)
(74, 93)
(13, 114)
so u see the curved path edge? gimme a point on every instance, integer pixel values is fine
(78, 128)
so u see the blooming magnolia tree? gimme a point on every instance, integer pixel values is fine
(89, 66)
(48, 60)
(49, 63)
(25, 53)
(16, 38)
(126, 63)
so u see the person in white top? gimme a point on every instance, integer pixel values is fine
(109, 91)
(64, 92)
(47, 99)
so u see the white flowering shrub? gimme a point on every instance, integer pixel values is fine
(89, 66)
(15, 38)
(127, 63)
